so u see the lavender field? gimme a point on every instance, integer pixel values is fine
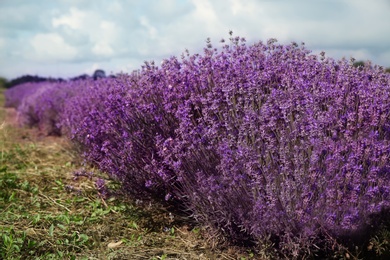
(267, 146)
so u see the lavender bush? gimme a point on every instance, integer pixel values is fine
(24, 99)
(255, 141)
(15, 95)
(273, 140)
(114, 122)
(50, 106)
(40, 104)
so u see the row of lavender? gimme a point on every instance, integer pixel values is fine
(255, 141)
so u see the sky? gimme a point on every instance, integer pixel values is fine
(66, 38)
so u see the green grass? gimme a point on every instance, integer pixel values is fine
(47, 214)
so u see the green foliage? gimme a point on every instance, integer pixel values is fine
(379, 244)
(10, 243)
(359, 64)
(3, 82)
(14, 157)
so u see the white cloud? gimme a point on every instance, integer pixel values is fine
(204, 11)
(115, 7)
(51, 47)
(152, 31)
(102, 49)
(89, 31)
(105, 37)
(73, 20)
(206, 17)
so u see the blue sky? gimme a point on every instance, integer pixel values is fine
(65, 38)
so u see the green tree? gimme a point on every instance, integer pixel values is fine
(359, 64)
(2, 82)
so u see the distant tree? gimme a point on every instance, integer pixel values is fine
(24, 79)
(98, 74)
(387, 70)
(30, 78)
(80, 77)
(3, 81)
(359, 64)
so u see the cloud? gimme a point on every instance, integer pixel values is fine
(51, 47)
(91, 32)
(152, 31)
(73, 20)
(102, 49)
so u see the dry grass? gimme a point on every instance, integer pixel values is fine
(45, 213)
